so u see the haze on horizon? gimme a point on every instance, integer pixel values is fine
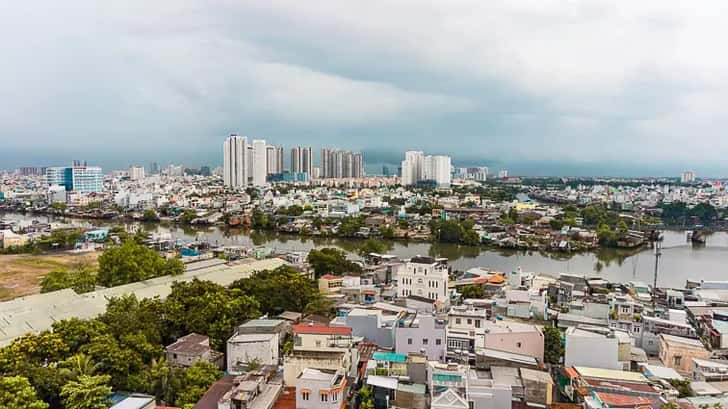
(537, 86)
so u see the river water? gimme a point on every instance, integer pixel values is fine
(680, 259)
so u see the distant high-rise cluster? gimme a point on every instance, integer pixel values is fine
(302, 160)
(136, 172)
(338, 164)
(687, 177)
(255, 163)
(479, 173)
(420, 168)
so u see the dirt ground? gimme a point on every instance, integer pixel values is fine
(21, 274)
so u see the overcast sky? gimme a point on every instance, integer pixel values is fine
(550, 87)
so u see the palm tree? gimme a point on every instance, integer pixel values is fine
(88, 392)
(79, 365)
(159, 373)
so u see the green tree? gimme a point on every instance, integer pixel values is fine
(150, 216)
(75, 332)
(472, 291)
(79, 365)
(320, 306)
(282, 289)
(207, 308)
(188, 216)
(196, 380)
(331, 260)
(16, 392)
(373, 246)
(88, 392)
(387, 232)
(366, 397)
(556, 224)
(55, 280)
(133, 262)
(682, 386)
(553, 345)
(81, 280)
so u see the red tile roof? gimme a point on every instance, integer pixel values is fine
(321, 329)
(330, 277)
(617, 400)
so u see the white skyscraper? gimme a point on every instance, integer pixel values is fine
(687, 177)
(271, 159)
(136, 172)
(302, 159)
(259, 162)
(235, 161)
(416, 167)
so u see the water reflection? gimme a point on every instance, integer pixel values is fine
(680, 260)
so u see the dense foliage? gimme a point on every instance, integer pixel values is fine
(331, 260)
(81, 279)
(679, 213)
(133, 262)
(454, 231)
(472, 291)
(282, 289)
(553, 345)
(80, 361)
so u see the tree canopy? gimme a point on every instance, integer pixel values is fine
(133, 262)
(17, 393)
(282, 289)
(553, 345)
(330, 260)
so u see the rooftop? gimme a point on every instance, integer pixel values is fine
(321, 329)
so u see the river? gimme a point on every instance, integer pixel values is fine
(680, 260)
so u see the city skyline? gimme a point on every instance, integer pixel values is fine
(509, 83)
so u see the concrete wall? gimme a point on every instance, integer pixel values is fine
(524, 343)
(495, 397)
(368, 326)
(594, 352)
(264, 351)
(412, 339)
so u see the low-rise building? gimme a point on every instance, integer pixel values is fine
(323, 347)
(678, 352)
(192, 348)
(424, 277)
(710, 370)
(321, 389)
(515, 337)
(426, 334)
(255, 341)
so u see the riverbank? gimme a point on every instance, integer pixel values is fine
(680, 260)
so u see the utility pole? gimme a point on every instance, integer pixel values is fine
(658, 253)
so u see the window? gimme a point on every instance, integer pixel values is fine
(518, 344)
(438, 341)
(677, 359)
(424, 341)
(457, 320)
(409, 341)
(318, 343)
(477, 323)
(324, 397)
(470, 322)
(305, 395)
(334, 396)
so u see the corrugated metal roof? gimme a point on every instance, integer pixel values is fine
(37, 313)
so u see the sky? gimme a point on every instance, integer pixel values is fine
(541, 87)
